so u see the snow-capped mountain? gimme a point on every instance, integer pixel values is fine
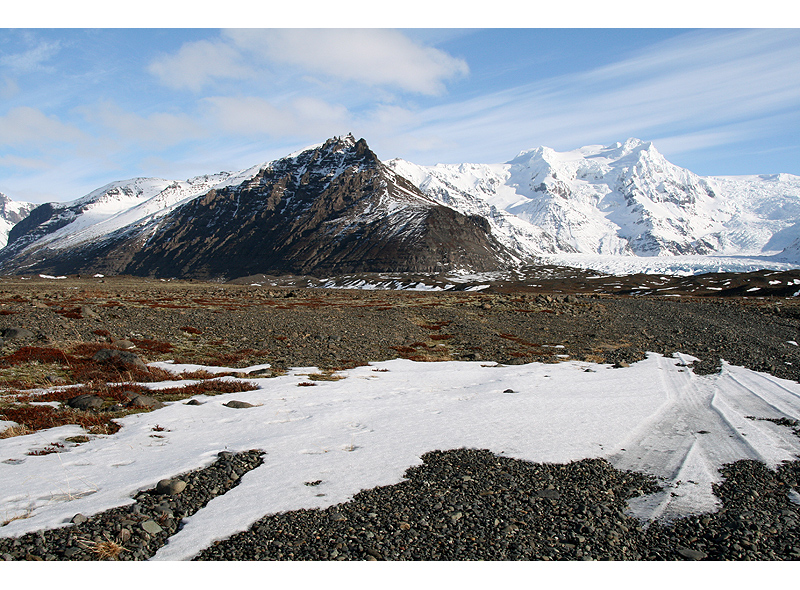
(11, 213)
(330, 208)
(335, 207)
(623, 199)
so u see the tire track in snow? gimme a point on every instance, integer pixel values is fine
(693, 434)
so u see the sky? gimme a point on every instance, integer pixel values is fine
(86, 105)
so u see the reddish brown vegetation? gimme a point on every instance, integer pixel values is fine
(152, 345)
(43, 417)
(191, 330)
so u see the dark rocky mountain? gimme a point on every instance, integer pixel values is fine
(334, 208)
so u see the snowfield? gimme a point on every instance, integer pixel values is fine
(367, 428)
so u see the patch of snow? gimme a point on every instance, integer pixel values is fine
(646, 417)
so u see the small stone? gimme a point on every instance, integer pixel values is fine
(78, 519)
(88, 312)
(71, 552)
(509, 391)
(238, 405)
(17, 333)
(151, 527)
(144, 401)
(170, 486)
(551, 494)
(124, 356)
(193, 402)
(692, 554)
(621, 364)
(124, 344)
(86, 401)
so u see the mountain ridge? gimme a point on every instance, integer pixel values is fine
(330, 208)
(625, 200)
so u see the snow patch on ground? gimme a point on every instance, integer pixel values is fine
(366, 429)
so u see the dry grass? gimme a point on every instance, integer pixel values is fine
(326, 376)
(105, 550)
(16, 430)
(23, 516)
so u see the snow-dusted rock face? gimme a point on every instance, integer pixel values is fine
(623, 199)
(330, 208)
(11, 213)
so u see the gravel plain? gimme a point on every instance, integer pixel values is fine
(462, 504)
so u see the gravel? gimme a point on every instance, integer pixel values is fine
(460, 504)
(468, 504)
(137, 531)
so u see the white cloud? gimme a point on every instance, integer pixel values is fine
(156, 130)
(198, 63)
(251, 115)
(20, 162)
(32, 59)
(379, 57)
(8, 88)
(29, 126)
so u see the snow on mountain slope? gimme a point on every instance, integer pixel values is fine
(478, 189)
(625, 199)
(124, 203)
(11, 213)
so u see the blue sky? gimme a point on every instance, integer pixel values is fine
(82, 107)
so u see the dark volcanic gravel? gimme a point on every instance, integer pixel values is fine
(461, 504)
(471, 504)
(139, 529)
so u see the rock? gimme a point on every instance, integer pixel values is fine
(238, 405)
(193, 402)
(78, 519)
(258, 372)
(124, 344)
(170, 486)
(509, 391)
(86, 401)
(621, 365)
(17, 333)
(88, 312)
(692, 554)
(124, 356)
(151, 527)
(551, 494)
(144, 401)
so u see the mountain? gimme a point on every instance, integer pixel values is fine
(331, 208)
(623, 199)
(335, 208)
(11, 213)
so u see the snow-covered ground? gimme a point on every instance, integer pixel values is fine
(366, 429)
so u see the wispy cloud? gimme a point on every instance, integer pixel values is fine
(252, 116)
(156, 130)
(8, 87)
(32, 59)
(693, 83)
(26, 126)
(198, 63)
